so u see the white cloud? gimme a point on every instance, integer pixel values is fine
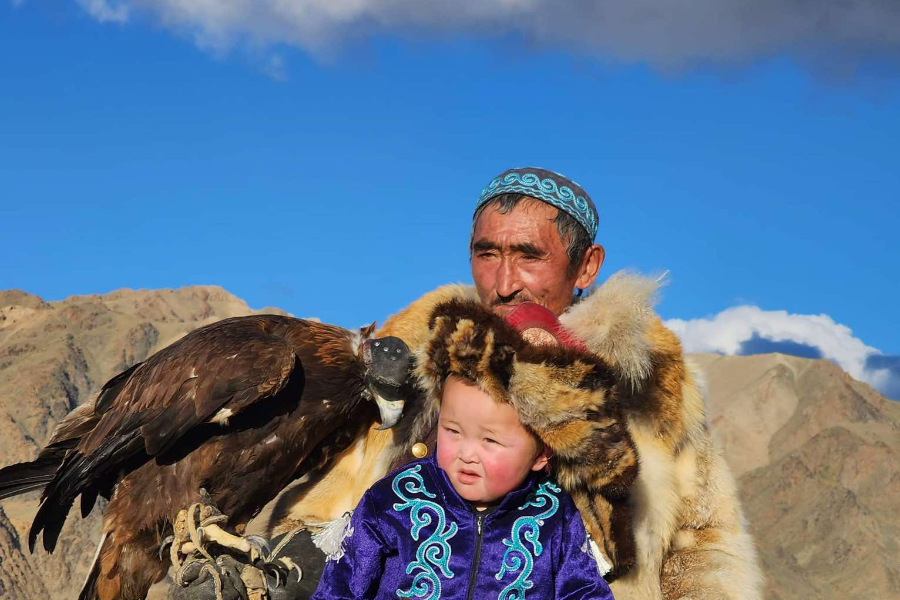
(729, 331)
(663, 34)
(104, 11)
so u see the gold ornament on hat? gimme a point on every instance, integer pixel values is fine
(419, 450)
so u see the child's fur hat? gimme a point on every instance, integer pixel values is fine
(563, 393)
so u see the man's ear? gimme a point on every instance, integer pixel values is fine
(590, 266)
(542, 459)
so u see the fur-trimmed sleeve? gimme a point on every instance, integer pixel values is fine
(711, 553)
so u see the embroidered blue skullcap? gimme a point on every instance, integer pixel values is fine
(548, 186)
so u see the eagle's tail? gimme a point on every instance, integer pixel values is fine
(81, 475)
(35, 475)
(25, 477)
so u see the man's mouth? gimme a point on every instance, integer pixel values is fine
(501, 308)
(505, 308)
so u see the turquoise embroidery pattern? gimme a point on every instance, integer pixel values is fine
(517, 557)
(433, 551)
(562, 197)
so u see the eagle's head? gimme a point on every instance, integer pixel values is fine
(387, 366)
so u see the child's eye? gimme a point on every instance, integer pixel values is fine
(450, 430)
(491, 441)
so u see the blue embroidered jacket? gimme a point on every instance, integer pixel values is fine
(412, 536)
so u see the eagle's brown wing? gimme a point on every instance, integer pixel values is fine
(212, 373)
(209, 376)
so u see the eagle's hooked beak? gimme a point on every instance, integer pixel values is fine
(390, 410)
(387, 364)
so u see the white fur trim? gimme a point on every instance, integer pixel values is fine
(613, 321)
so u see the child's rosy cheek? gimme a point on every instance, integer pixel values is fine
(445, 451)
(502, 473)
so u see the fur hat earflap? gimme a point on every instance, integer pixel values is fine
(564, 394)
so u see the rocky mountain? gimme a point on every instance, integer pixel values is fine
(817, 456)
(816, 453)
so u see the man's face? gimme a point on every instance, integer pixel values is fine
(519, 257)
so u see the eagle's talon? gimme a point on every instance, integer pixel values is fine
(165, 544)
(260, 544)
(291, 566)
(274, 571)
(281, 569)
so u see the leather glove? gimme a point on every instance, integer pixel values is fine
(242, 581)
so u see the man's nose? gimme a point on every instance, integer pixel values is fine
(508, 283)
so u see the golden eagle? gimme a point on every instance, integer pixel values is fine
(237, 409)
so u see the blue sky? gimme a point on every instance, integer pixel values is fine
(332, 172)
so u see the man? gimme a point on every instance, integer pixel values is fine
(689, 527)
(533, 240)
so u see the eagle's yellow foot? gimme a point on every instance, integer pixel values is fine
(197, 529)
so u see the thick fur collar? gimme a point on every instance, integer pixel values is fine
(614, 321)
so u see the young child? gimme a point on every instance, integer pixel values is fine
(479, 518)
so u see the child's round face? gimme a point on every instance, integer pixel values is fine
(482, 445)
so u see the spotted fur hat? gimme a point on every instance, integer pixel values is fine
(563, 393)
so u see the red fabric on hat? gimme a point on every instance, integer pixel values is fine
(529, 315)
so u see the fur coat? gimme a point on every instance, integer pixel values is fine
(688, 530)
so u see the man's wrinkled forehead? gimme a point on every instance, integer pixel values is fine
(527, 204)
(493, 229)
